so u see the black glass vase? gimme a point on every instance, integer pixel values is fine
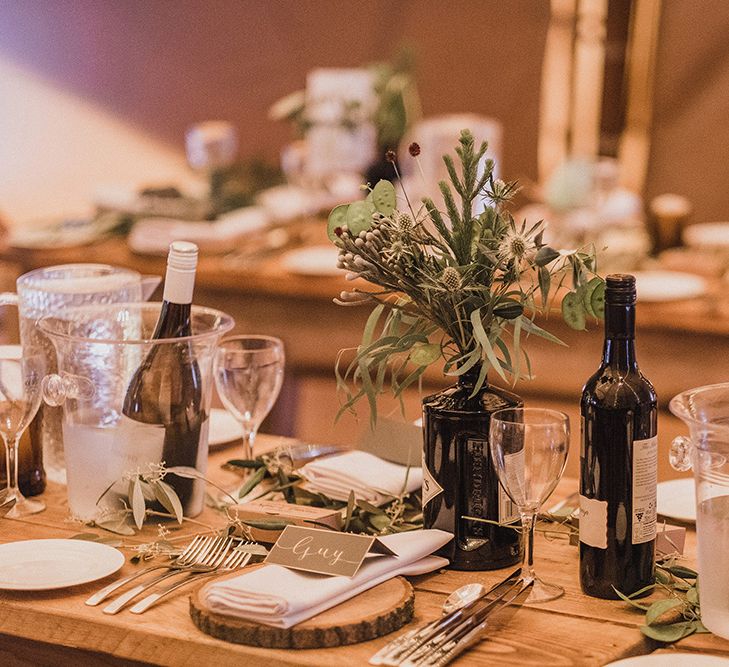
(459, 479)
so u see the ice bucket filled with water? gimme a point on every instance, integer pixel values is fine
(131, 401)
(705, 410)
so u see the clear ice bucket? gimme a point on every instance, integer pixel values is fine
(705, 410)
(54, 289)
(99, 350)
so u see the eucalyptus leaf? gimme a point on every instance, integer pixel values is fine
(116, 523)
(683, 572)
(424, 354)
(692, 595)
(638, 605)
(139, 507)
(267, 525)
(252, 482)
(668, 633)
(350, 510)
(380, 521)
(187, 472)
(368, 507)
(168, 498)
(664, 611)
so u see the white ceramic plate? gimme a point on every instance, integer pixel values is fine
(41, 565)
(312, 261)
(668, 285)
(676, 500)
(223, 428)
(672, 660)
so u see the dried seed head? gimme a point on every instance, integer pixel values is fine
(403, 221)
(414, 149)
(391, 156)
(451, 278)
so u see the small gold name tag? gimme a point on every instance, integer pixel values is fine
(324, 551)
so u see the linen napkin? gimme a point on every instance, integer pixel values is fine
(370, 477)
(277, 596)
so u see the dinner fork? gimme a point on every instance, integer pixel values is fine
(234, 561)
(212, 560)
(197, 549)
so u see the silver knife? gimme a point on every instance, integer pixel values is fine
(410, 641)
(476, 615)
(472, 636)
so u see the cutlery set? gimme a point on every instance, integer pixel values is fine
(203, 557)
(438, 642)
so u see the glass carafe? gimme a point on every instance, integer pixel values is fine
(99, 350)
(51, 290)
(705, 410)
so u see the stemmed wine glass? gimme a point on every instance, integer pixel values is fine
(248, 375)
(21, 375)
(529, 451)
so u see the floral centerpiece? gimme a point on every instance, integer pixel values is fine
(460, 286)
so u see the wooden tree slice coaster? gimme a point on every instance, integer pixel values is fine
(374, 613)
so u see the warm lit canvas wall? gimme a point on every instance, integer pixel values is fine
(146, 70)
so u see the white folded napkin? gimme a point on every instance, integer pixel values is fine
(277, 596)
(154, 235)
(370, 477)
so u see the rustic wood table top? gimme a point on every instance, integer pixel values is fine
(55, 627)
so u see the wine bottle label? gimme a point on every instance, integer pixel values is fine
(508, 511)
(593, 522)
(431, 488)
(645, 479)
(514, 472)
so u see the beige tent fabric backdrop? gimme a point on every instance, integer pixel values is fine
(690, 136)
(160, 66)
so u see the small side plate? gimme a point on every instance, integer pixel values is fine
(42, 565)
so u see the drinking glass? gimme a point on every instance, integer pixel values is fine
(248, 374)
(529, 451)
(21, 375)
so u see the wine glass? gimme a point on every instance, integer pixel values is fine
(248, 375)
(21, 375)
(529, 451)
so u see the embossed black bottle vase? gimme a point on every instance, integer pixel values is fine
(459, 479)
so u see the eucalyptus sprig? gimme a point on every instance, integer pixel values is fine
(458, 285)
(677, 615)
(399, 514)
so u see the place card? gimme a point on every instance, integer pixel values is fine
(324, 551)
(266, 519)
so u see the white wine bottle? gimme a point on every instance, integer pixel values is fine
(166, 389)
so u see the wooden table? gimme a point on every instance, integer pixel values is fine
(55, 627)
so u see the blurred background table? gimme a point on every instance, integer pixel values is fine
(681, 344)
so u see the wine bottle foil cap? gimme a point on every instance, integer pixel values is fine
(182, 256)
(620, 289)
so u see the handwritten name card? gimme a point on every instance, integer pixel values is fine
(324, 551)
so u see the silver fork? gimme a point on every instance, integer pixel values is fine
(234, 561)
(212, 559)
(197, 549)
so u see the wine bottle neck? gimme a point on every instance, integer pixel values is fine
(179, 285)
(619, 349)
